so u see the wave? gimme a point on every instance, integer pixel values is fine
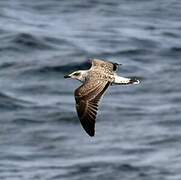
(7, 65)
(176, 49)
(10, 103)
(31, 41)
(20, 42)
(57, 68)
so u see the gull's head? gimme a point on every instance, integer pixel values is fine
(79, 75)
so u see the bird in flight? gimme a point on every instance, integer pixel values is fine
(95, 81)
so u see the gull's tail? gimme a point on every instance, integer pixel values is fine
(134, 80)
(124, 81)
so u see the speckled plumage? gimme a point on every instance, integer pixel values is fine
(95, 82)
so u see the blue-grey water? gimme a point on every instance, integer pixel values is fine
(138, 129)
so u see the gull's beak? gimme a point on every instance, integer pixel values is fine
(67, 76)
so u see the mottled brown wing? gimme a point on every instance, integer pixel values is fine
(105, 64)
(87, 97)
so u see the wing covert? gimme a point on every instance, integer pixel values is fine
(105, 64)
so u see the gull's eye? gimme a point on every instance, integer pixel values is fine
(76, 74)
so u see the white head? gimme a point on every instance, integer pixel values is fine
(79, 75)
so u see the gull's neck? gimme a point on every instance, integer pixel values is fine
(84, 74)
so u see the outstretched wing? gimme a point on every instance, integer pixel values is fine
(109, 66)
(87, 97)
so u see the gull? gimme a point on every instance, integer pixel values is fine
(96, 80)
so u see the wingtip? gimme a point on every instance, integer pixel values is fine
(90, 133)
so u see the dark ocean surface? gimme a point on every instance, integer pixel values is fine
(138, 129)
